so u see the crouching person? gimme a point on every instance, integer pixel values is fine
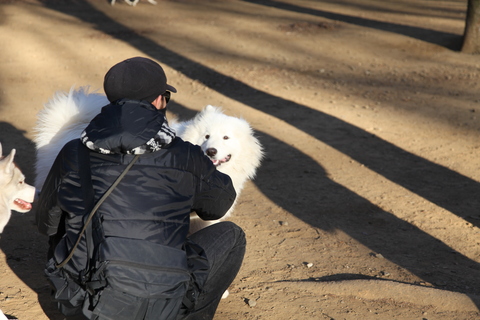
(116, 207)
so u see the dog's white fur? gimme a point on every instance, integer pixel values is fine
(132, 2)
(66, 115)
(231, 145)
(62, 119)
(15, 194)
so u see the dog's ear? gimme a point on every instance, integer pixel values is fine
(6, 164)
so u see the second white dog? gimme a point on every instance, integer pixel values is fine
(15, 193)
(231, 145)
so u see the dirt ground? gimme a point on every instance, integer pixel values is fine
(367, 203)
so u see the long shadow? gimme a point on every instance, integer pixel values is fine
(421, 9)
(449, 40)
(347, 211)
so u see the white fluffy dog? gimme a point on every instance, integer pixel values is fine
(15, 194)
(62, 119)
(231, 145)
(228, 141)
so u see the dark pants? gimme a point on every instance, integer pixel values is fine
(224, 243)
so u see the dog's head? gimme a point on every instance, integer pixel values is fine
(15, 194)
(228, 141)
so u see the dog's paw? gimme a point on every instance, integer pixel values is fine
(225, 294)
(152, 1)
(132, 3)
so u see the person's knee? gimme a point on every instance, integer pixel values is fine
(237, 231)
(224, 236)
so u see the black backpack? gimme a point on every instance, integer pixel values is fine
(125, 279)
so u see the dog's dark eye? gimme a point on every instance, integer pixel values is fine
(225, 138)
(207, 136)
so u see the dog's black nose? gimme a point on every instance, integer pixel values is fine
(211, 152)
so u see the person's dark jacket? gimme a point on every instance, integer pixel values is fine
(152, 202)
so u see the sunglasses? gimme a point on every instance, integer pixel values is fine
(167, 96)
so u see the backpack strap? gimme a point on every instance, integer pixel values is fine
(87, 188)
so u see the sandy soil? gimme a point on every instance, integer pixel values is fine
(366, 206)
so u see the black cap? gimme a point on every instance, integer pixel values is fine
(136, 78)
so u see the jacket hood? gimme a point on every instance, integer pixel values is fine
(128, 127)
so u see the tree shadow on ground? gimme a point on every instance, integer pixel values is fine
(449, 40)
(329, 206)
